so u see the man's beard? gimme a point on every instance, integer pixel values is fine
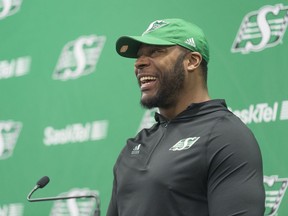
(171, 83)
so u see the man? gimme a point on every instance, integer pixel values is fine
(198, 159)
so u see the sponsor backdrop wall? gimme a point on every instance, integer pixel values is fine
(69, 102)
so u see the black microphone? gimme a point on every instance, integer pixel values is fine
(45, 180)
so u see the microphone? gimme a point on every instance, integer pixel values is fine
(45, 180)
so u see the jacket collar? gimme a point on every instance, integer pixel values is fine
(195, 109)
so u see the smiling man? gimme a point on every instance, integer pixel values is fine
(198, 159)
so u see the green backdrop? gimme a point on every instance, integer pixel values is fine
(69, 102)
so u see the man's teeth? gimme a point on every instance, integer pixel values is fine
(147, 79)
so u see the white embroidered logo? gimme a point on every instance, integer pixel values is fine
(191, 42)
(184, 144)
(136, 150)
(155, 25)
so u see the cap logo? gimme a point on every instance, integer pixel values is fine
(124, 48)
(191, 42)
(155, 25)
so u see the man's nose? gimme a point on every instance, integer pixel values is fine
(142, 62)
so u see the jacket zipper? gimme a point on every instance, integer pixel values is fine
(155, 146)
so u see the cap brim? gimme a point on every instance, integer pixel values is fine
(128, 46)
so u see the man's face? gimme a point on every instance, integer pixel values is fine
(160, 73)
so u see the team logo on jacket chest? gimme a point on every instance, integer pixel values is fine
(184, 144)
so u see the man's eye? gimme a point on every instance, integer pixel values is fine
(160, 50)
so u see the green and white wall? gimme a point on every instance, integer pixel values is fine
(68, 102)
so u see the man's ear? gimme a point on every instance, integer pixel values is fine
(194, 60)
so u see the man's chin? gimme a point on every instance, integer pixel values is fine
(148, 103)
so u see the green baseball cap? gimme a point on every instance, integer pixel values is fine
(166, 32)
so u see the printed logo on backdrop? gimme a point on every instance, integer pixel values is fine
(12, 209)
(9, 133)
(79, 207)
(9, 7)
(76, 133)
(263, 112)
(79, 57)
(148, 119)
(275, 189)
(261, 29)
(15, 67)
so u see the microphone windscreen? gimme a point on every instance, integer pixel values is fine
(43, 181)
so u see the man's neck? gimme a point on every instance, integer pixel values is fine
(171, 112)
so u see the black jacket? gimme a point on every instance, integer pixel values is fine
(205, 162)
